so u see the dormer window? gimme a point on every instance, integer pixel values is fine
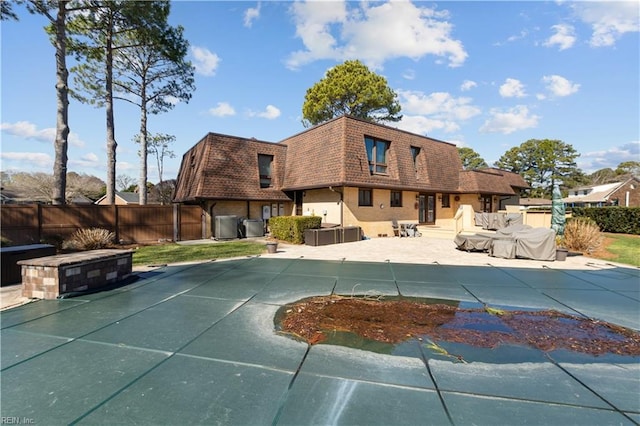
(377, 155)
(264, 167)
(415, 151)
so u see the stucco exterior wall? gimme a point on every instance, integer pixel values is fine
(320, 201)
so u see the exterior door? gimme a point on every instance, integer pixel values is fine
(427, 209)
(487, 205)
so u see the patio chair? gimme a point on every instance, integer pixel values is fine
(398, 230)
(411, 230)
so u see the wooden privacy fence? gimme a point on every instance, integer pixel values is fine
(33, 223)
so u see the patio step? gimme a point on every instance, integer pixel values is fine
(437, 232)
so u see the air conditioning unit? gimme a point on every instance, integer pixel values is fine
(254, 228)
(226, 227)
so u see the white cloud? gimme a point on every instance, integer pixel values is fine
(591, 161)
(560, 86)
(409, 74)
(423, 125)
(509, 121)
(204, 60)
(468, 85)
(87, 160)
(90, 157)
(250, 15)
(512, 88)
(172, 100)
(439, 110)
(520, 36)
(223, 109)
(270, 113)
(27, 130)
(330, 30)
(609, 20)
(37, 159)
(564, 37)
(523, 34)
(124, 166)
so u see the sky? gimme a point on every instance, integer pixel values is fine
(484, 75)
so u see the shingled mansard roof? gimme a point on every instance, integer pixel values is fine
(331, 154)
(226, 167)
(492, 181)
(334, 154)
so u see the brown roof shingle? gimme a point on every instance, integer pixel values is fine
(226, 167)
(491, 181)
(333, 154)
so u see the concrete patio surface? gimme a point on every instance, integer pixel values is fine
(197, 344)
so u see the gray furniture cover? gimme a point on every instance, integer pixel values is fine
(475, 242)
(519, 240)
(510, 230)
(495, 221)
(536, 244)
(503, 247)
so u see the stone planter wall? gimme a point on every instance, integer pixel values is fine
(51, 276)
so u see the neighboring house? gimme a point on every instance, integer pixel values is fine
(624, 194)
(6, 197)
(80, 199)
(121, 198)
(540, 203)
(348, 171)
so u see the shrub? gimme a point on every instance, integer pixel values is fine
(5, 242)
(621, 220)
(582, 234)
(90, 239)
(54, 239)
(291, 228)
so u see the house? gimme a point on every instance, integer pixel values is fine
(121, 198)
(624, 194)
(348, 171)
(80, 199)
(536, 203)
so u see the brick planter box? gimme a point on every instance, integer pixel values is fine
(11, 271)
(51, 276)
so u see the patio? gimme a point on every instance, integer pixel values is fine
(195, 344)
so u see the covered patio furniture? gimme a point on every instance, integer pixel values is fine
(536, 244)
(510, 230)
(475, 242)
(515, 241)
(482, 241)
(496, 221)
(503, 247)
(514, 219)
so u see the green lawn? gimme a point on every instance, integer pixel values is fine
(174, 253)
(622, 248)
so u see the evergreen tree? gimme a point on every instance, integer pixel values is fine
(350, 88)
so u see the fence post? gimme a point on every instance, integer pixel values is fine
(176, 222)
(39, 215)
(116, 222)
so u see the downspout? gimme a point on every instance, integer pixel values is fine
(211, 218)
(341, 204)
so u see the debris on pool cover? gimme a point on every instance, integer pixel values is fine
(395, 321)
